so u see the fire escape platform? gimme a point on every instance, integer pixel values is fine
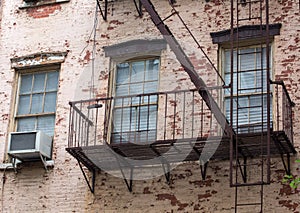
(111, 156)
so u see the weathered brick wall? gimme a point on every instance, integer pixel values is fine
(66, 28)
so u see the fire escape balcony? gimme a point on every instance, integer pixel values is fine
(180, 128)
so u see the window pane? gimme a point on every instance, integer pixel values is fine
(122, 90)
(26, 124)
(247, 60)
(24, 105)
(37, 103)
(151, 87)
(26, 83)
(136, 88)
(130, 122)
(137, 71)
(46, 124)
(52, 81)
(151, 70)
(247, 82)
(50, 102)
(39, 82)
(122, 73)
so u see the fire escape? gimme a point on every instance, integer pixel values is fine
(247, 147)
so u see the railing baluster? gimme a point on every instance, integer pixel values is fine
(166, 110)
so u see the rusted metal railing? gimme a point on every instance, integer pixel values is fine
(283, 109)
(143, 118)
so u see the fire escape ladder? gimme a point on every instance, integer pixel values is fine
(187, 65)
(247, 12)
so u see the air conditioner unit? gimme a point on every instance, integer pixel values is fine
(30, 146)
(30, 0)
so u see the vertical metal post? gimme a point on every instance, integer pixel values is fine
(268, 92)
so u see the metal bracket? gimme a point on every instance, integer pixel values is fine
(164, 162)
(286, 163)
(90, 185)
(203, 169)
(103, 12)
(203, 166)
(166, 170)
(128, 183)
(138, 7)
(243, 168)
(14, 164)
(44, 162)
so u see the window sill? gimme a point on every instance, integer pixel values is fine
(41, 3)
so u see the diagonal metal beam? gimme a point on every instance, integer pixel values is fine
(138, 7)
(188, 67)
(103, 11)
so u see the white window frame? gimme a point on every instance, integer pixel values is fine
(138, 103)
(33, 71)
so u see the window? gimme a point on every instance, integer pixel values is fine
(135, 113)
(36, 101)
(250, 90)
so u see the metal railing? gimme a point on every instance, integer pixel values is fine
(283, 109)
(162, 116)
(142, 118)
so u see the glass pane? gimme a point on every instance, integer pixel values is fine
(227, 61)
(122, 90)
(122, 73)
(26, 124)
(136, 88)
(247, 61)
(50, 102)
(247, 82)
(137, 71)
(150, 87)
(26, 84)
(24, 105)
(256, 101)
(151, 70)
(52, 81)
(39, 82)
(46, 124)
(37, 103)
(256, 115)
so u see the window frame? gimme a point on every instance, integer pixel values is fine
(33, 70)
(112, 92)
(248, 45)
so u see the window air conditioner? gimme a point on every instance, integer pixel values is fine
(30, 146)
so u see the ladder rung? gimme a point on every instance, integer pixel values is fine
(250, 184)
(250, 107)
(250, 88)
(247, 164)
(248, 19)
(248, 2)
(248, 204)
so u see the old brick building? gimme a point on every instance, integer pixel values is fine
(111, 93)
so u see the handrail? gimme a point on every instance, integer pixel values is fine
(281, 83)
(72, 103)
